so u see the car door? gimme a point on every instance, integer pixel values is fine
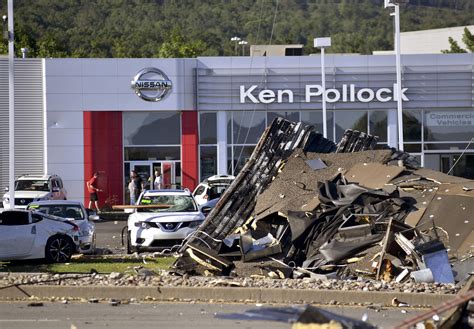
(17, 234)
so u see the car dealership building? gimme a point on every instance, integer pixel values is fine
(192, 118)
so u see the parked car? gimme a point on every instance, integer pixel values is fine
(212, 188)
(163, 218)
(34, 188)
(76, 212)
(26, 234)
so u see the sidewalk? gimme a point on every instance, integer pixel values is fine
(223, 294)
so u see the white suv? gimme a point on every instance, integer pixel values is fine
(162, 219)
(212, 188)
(35, 188)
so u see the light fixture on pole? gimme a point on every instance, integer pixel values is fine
(243, 43)
(24, 52)
(323, 43)
(9, 35)
(398, 90)
(236, 40)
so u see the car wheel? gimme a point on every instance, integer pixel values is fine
(59, 249)
(130, 249)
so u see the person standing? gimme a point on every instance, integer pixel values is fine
(157, 184)
(131, 190)
(138, 184)
(93, 189)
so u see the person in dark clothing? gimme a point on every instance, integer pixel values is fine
(138, 184)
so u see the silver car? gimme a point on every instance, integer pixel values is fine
(78, 214)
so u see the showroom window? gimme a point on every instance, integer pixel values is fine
(315, 118)
(449, 125)
(152, 142)
(151, 128)
(208, 144)
(208, 128)
(378, 125)
(244, 130)
(208, 161)
(347, 119)
(412, 123)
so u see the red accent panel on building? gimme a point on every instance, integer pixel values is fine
(103, 153)
(189, 149)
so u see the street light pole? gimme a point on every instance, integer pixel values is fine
(243, 43)
(399, 78)
(11, 102)
(323, 43)
(398, 90)
(235, 40)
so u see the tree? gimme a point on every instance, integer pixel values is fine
(468, 40)
(175, 46)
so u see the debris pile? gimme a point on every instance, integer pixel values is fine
(304, 206)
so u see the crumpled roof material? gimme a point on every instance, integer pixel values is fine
(319, 205)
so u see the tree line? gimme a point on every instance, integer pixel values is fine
(191, 28)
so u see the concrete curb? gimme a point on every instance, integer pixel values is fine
(224, 294)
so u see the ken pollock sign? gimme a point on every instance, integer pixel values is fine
(348, 93)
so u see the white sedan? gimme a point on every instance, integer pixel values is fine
(78, 214)
(31, 235)
(162, 219)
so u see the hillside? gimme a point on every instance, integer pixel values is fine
(187, 28)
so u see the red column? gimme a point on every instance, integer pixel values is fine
(103, 150)
(189, 149)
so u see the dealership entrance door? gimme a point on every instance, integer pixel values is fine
(456, 164)
(170, 174)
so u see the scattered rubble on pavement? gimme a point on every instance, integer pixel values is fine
(303, 206)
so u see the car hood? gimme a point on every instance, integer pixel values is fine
(28, 194)
(166, 217)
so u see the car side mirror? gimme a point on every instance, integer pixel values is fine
(206, 210)
(6, 189)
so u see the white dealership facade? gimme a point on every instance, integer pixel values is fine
(77, 116)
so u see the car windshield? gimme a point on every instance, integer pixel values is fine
(65, 211)
(167, 203)
(32, 185)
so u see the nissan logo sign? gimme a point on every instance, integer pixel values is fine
(151, 84)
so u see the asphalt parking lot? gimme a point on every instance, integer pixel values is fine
(109, 234)
(167, 315)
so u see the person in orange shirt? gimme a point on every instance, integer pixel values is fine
(93, 189)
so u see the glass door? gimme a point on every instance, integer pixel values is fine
(170, 172)
(143, 169)
(458, 165)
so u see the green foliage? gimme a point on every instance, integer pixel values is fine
(468, 40)
(175, 46)
(190, 28)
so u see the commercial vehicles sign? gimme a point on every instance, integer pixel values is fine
(151, 84)
(449, 119)
(348, 93)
